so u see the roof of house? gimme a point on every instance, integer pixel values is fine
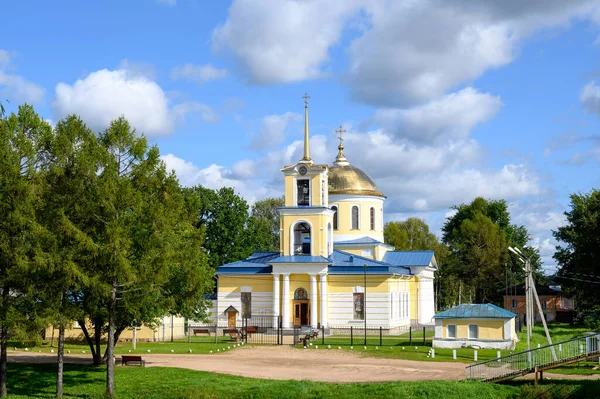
(339, 262)
(475, 311)
(410, 258)
(541, 289)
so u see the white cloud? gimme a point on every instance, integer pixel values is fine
(401, 52)
(215, 177)
(15, 87)
(207, 113)
(273, 129)
(590, 97)
(138, 68)
(4, 58)
(105, 95)
(450, 117)
(279, 41)
(198, 73)
(244, 169)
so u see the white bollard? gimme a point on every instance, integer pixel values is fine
(498, 354)
(432, 353)
(475, 355)
(454, 354)
(560, 347)
(539, 345)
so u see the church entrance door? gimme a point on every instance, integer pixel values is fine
(301, 313)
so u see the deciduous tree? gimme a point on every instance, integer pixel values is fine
(578, 254)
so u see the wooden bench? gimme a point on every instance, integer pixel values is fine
(132, 359)
(249, 331)
(201, 331)
(233, 333)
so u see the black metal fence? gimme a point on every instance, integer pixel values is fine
(371, 336)
(252, 330)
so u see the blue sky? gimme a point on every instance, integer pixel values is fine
(443, 101)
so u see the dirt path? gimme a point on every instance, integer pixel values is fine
(284, 363)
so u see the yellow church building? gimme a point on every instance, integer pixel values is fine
(331, 235)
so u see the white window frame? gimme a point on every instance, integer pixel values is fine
(351, 212)
(514, 303)
(448, 331)
(310, 192)
(477, 330)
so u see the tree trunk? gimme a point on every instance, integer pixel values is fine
(110, 350)
(98, 340)
(61, 360)
(3, 343)
(86, 334)
(118, 332)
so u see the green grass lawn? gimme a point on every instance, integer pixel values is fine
(558, 333)
(178, 346)
(26, 381)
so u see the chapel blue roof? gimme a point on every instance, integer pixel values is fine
(409, 258)
(475, 311)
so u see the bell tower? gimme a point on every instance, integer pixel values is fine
(306, 220)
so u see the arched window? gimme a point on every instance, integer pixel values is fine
(301, 243)
(335, 217)
(372, 218)
(355, 217)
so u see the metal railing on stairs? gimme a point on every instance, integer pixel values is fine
(538, 359)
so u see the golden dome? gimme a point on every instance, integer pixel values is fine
(348, 179)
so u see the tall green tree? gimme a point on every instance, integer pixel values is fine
(224, 216)
(578, 254)
(19, 231)
(478, 236)
(68, 181)
(410, 235)
(263, 224)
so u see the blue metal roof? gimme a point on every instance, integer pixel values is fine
(475, 311)
(347, 263)
(359, 241)
(409, 258)
(300, 259)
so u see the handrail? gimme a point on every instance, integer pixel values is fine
(526, 361)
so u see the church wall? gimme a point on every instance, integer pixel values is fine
(340, 298)
(318, 236)
(413, 289)
(290, 200)
(365, 203)
(229, 294)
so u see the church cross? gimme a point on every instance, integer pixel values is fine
(306, 97)
(340, 131)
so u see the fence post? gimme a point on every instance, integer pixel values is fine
(246, 330)
(424, 340)
(351, 335)
(410, 335)
(322, 335)
(380, 337)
